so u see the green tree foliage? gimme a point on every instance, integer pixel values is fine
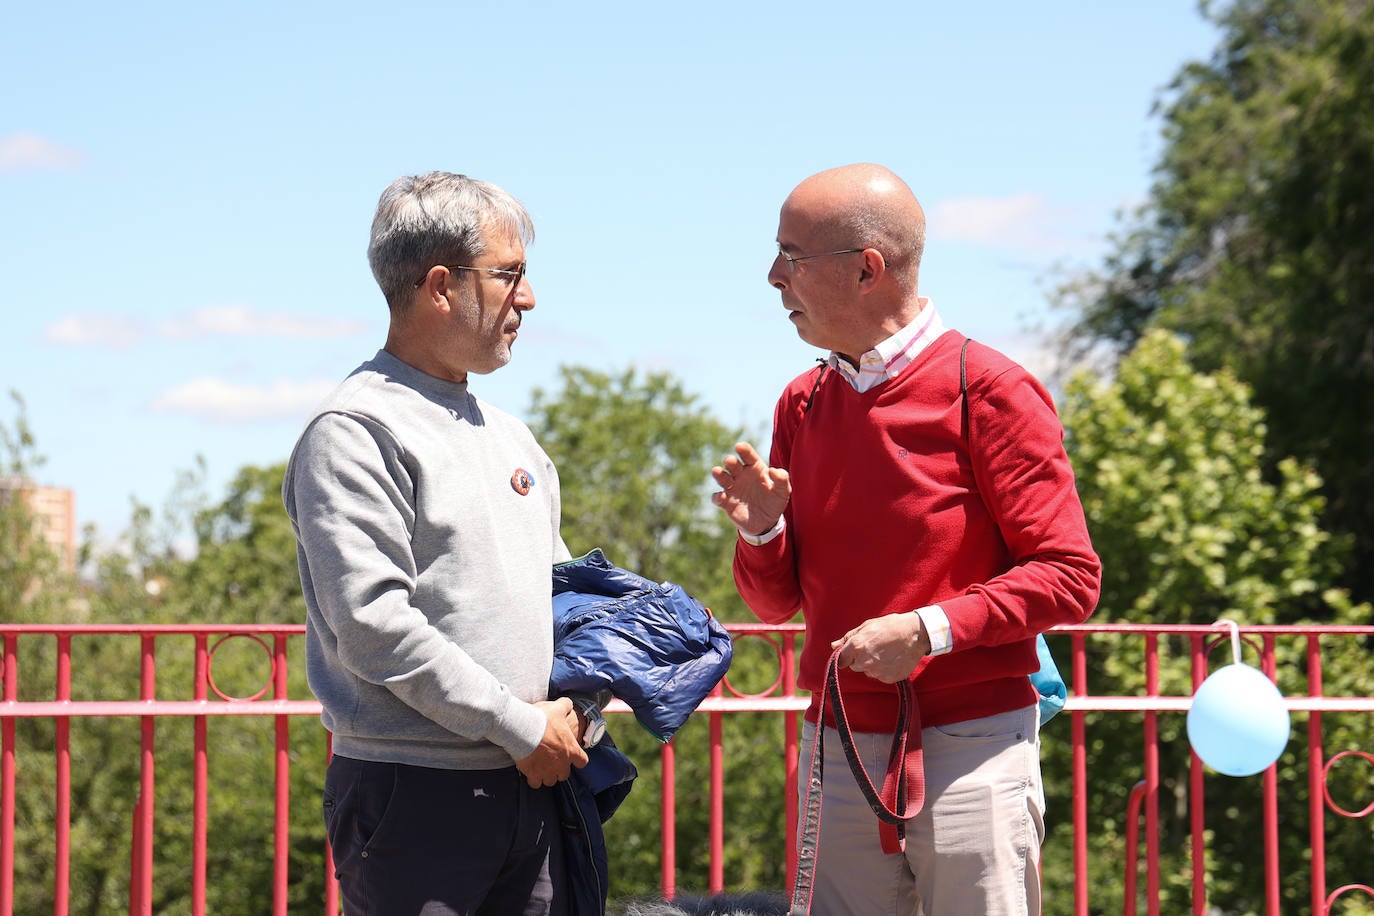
(633, 456)
(34, 588)
(1257, 242)
(243, 570)
(32, 584)
(1170, 470)
(1171, 473)
(239, 568)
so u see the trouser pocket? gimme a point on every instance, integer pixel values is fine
(357, 797)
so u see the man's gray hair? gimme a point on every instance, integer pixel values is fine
(437, 218)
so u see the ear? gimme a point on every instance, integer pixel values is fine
(433, 288)
(872, 270)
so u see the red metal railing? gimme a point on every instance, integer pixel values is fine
(272, 700)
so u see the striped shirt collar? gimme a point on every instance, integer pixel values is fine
(888, 359)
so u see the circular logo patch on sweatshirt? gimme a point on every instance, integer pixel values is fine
(521, 481)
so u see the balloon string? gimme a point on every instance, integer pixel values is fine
(1235, 638)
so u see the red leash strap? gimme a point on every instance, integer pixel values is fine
(904, 785)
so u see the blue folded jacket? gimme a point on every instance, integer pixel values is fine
(650, 644)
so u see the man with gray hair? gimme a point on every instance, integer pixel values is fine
(427, 524)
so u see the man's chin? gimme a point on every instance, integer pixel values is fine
(498, 360)
(799, 323)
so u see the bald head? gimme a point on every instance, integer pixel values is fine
(850, 243)
(868, 205)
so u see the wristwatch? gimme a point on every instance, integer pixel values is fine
(596, 722)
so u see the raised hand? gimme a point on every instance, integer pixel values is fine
(751, 493)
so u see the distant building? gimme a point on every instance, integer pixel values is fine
(54, 512)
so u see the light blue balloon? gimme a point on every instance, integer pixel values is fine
(1237, 722)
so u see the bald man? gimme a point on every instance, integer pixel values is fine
(926, 535)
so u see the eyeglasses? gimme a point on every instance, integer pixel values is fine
(512, 277)
(792, 260)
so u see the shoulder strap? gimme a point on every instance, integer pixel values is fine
(812, 396)
(963, 390)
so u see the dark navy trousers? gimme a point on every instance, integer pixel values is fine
(411, 840)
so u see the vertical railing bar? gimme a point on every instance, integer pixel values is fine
(144, 852)
(668, 806)
(1080, 779)
(281, 850)
(63, 815)
(201, 778)
(1132, 826)
(1152, 777)
(1316, 773)
(135, 869)
(1271, 804)
(1197, 787)
(716, 826)
(9, 675)
(787, 643)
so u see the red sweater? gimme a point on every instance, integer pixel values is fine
(892, 511)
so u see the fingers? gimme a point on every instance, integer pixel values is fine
(751, 493)
(746, 454)
(886, 648)
(565, 708)
(744, 462)
(748, 461)
(744, 457)
(846, 647)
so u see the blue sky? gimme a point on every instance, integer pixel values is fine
(186, 191)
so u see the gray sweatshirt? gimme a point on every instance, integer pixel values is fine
(426, 525)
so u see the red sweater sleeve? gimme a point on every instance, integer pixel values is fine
(1023, 474)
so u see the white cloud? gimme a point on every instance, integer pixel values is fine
(1022, 222)
(211, 321)
(216, 399)
(246, 321)
(94, 330)
(29, 151)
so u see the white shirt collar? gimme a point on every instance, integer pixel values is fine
(888, 359)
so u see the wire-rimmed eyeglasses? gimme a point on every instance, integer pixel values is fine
(793, 259)
(512, 277)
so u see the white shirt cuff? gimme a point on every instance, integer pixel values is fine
(937, 627)
(758, 540)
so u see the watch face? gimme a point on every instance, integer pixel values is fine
(596, 728)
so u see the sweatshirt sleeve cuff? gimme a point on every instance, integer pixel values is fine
(937, 627)
(758, 540)
(520, 730)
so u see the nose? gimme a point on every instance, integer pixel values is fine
(523, 295)
(777, 274)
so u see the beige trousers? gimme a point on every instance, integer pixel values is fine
(974, 850)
